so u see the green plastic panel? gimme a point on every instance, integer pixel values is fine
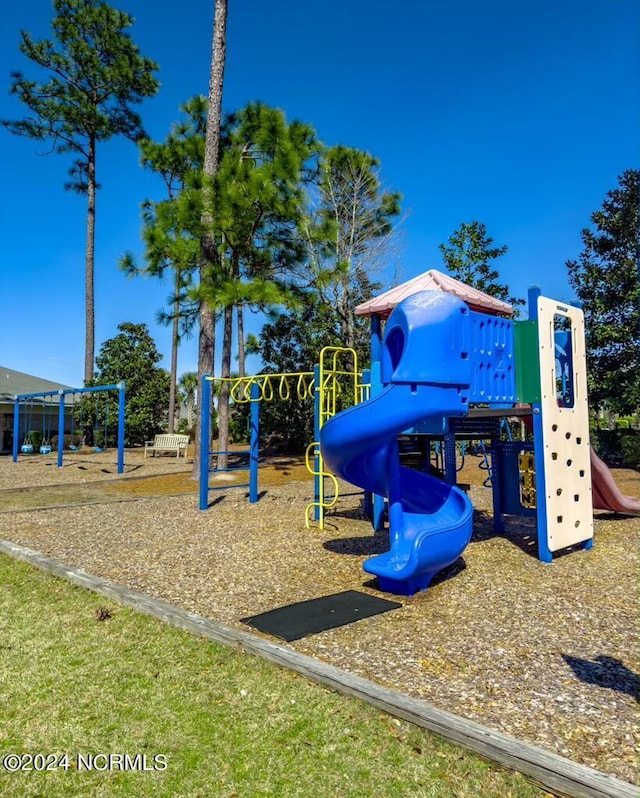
(527, 362)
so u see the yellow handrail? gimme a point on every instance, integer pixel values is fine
(329, 388)
(323, 503)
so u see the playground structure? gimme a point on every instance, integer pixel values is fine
(330, 383)
(480, 369)
(51, 402)
(448, 370)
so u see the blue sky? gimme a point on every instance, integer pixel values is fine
(518, 114)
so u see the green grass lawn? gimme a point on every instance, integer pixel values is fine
(223, 723)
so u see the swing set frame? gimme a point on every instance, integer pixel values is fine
(61, 394)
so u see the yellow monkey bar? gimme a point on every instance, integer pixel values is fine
(338, 385)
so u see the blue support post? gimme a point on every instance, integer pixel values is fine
(544, 553)
(376, 388)
(368, 496)
(121, 404)
(376, 339)
(317, 409)
(496, 478)
(60, 428)
(378, 502)
(205, 416)
(16, 428)
(396, 512)
(254, 443)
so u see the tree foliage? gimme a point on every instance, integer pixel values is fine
(256, 200)
(469, 256)
(132, 356)
(95, 75)
(292, 342)
(348, 231)
(606, 279)
(188, 394)
(170, 234)
(294, 226)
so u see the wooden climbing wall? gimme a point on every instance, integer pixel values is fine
(565, 424)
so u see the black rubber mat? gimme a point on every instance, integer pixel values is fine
(317, 615)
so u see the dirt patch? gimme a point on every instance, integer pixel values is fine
(273, 471)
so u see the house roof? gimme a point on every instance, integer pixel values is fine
(433, 280)
(16, 382)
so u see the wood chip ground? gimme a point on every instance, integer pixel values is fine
(547, 653)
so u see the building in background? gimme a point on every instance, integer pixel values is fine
(13, 383)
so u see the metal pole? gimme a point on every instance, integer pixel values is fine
(318, 479)
(368, 496)
(544, 553)
(16, 428)
(254, 445)
(121, 398)
(376, 339)
(60, 428)
(205, 419)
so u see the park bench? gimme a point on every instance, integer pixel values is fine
(167, 443)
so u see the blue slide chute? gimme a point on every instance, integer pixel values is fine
(426, 369)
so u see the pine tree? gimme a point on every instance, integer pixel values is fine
(468, 257)
(96, 75)
(208, 253)
(171, 231)
(255, 204)
(606, 279)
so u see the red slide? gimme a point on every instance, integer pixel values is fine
(606, 494)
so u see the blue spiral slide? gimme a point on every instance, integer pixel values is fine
(426, 371)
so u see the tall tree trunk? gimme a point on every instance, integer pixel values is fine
(173, 378)
(241, 354)
(90, 330)
(216, 81)
(206, 353)
(223, 399)
(206, 339)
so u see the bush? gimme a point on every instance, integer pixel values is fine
(34, 437)
(631, 449)
(239, 421)
(617, 447)
(108, 440)
(68, 441)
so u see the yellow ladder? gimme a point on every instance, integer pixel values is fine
(334, 382)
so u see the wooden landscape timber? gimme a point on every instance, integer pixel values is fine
(556, 773)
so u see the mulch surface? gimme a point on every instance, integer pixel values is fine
(547, 653)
